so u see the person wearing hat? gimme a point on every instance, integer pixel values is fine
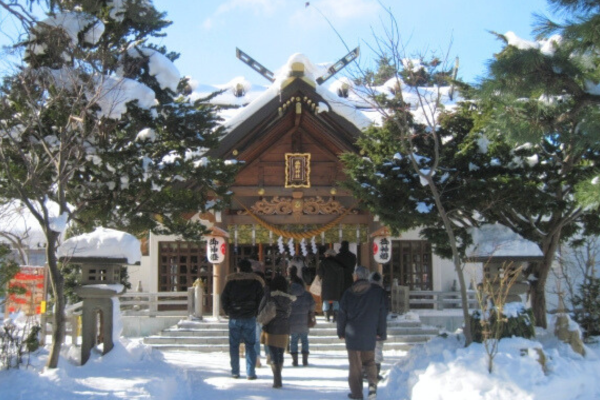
(361, 322)
(331, 273)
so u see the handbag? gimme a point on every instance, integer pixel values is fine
(267, 313)
(315, 287)
(312, 320)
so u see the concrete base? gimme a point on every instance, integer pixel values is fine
(448, 320)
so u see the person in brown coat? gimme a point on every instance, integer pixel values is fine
(276, 332)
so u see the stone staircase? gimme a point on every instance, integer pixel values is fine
(212, 336)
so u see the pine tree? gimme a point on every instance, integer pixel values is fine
(95, 129)
(543, 95)
(587, 307)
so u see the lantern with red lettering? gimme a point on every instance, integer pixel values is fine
(382, 249)
(382, 245)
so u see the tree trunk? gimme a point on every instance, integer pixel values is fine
(458, 266)
(464, 303)
(57, 284)
(537, 290)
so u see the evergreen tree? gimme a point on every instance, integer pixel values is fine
(587, 307)
(95, 129)
(401, 174)
(543, 96)
(8, 269)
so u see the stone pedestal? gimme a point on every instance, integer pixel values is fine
(97, 317)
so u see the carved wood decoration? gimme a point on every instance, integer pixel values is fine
(297, 170)
(296, 206)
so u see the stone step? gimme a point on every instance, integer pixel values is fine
(213, 336)
(317, 348)
(195, 340)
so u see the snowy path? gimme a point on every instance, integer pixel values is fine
(324, 379)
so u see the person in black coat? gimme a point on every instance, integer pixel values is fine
(276, 333)
(348, 261)
(240, 298)
(361, 322)
(331, 273)
(301, 309)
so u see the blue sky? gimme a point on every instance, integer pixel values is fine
(206, 33)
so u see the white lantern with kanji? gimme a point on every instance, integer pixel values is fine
(216, 248)
(382, 249)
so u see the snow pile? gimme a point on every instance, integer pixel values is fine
(546, 46)
(115, 92)
(159, 66)
(110, 92)
(72, 24)
(440, 370)
(444, 369)
(119, 7)
(103, 242)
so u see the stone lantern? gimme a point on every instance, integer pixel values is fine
(99, 289)
(101, 255)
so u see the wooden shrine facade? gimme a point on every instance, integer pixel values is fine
(289, 187)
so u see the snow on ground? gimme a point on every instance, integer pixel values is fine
(442, 369)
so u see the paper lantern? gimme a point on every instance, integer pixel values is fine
(382, 249)
(216, 248)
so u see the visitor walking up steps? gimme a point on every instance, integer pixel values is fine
(302, 309)
(240, 298)
(361, 322)
(348, 261)
(277, 331)
(331, 273)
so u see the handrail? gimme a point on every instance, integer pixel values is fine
(437, 300)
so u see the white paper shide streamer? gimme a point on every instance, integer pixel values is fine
(291, 247)
(280, 244)
(313, 243)
(303, 247)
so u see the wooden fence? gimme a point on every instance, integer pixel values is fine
(403, 299)
(181, 304)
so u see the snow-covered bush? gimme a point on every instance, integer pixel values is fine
(518, 323)
(587, 308)
(18, 338)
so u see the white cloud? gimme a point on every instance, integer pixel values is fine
(259, 7)
(337, 11)
(207, 25)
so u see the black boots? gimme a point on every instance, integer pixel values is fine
(276, 368)
(305, 359)
(295, 359)
(329, 313)
(379, 377)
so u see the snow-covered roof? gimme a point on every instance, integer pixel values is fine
(102, 243)
(497, 241)
(355, 107)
